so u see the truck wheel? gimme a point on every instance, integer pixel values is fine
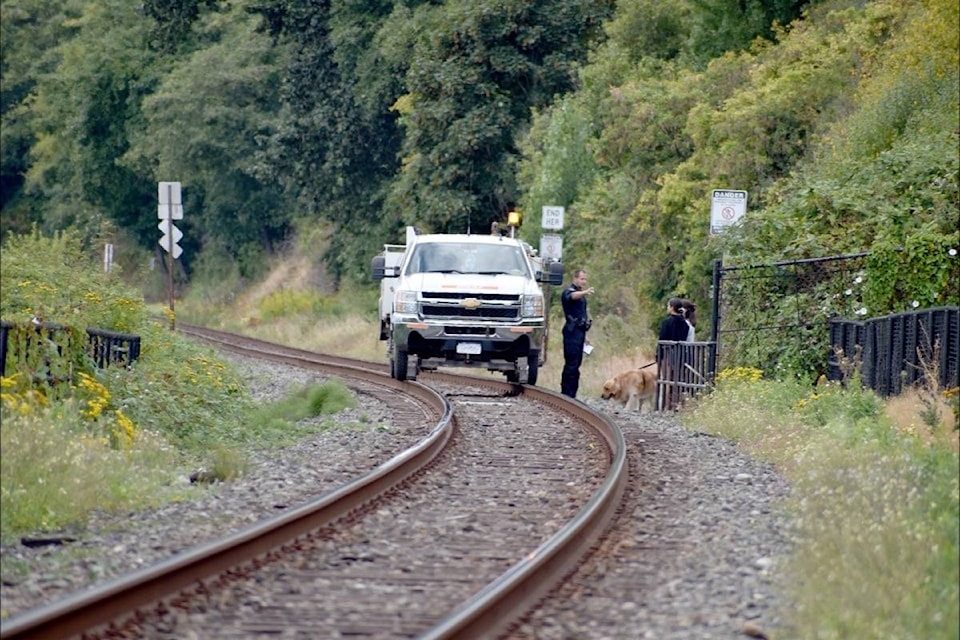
(533, 367)
(399, 365)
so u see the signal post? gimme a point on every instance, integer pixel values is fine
(170, 208)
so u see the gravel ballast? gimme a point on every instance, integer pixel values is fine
(693, 555)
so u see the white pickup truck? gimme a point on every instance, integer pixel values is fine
(464, 300)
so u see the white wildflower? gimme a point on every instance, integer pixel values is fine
(862, 311)
(848, 292)
(952, 253)
(915, 303)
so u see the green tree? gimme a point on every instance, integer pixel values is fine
(205, 126)
(718, 26)
(336, 143)
(80, 114)
(478, 68)
(884, 178)
(30, 31)
(174, 20)
(650, 29)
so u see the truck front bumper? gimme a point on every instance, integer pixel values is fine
(466, 343)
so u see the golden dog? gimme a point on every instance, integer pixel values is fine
(631, 388)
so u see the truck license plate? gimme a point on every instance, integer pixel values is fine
(469, 348)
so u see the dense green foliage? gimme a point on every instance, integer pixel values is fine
(111, 114)
(839, 118)
(844, 134)
(340, 123)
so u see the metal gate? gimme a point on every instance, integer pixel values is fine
(686, 369)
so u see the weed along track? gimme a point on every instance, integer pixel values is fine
(455, 536)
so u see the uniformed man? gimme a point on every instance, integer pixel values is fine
(574, 300)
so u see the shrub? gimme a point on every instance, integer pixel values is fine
(56, 279)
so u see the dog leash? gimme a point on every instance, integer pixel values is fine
(649, 364)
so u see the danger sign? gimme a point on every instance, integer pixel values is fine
(726, 208)
(551, 246)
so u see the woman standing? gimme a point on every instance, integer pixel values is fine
(690, 315)
(674, 327)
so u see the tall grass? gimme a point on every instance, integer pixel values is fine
(875, 505)
(121, 437)
(55, 471)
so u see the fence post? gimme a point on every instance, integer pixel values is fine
(5, 327)
(715, 312)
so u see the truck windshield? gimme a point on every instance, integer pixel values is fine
(465, 257)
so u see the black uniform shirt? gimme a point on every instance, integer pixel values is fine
(574, 310)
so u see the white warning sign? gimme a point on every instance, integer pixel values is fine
(727, 206)
(551, 246)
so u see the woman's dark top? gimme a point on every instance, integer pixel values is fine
(673, 328)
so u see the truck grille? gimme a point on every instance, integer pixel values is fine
(496, 307)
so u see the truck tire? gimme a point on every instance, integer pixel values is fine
(399, 365)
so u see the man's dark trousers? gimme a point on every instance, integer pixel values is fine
(573, 340)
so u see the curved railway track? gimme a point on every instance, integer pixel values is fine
(482, 603)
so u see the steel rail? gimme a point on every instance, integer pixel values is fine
(100, 605)
(487, 614)
(495, 608)
(498, 605)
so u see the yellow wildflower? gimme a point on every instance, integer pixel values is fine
(740, 374)
(126, 432)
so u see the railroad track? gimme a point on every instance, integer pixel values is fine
(508, 524)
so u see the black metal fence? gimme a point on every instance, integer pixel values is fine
(793, 316)
(776, 316)
(113, 348)
(103, 347)
(899, 350)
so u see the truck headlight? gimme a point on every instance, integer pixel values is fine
(405, 302)
(532, 306)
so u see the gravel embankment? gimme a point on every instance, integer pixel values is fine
(692, 557)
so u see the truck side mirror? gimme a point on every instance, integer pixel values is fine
(555, 273)
(378, 268)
